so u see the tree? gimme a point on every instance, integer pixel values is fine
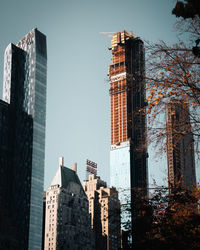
(189, 9)
(171, 221)
(167, 221)
(176, 221)
(173, 72)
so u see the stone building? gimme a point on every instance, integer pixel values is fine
(67, 221)
(104, 208)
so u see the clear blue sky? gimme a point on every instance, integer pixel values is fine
(78, 115)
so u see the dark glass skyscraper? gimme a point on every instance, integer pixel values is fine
(24, 94)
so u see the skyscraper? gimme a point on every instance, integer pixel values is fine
(67, 221)
(128, 152)
(127, 96)
(180, 145)
(24, 94)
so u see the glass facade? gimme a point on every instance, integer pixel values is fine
(120, 177)
(32, 102)
(120, 169)
(7, 240)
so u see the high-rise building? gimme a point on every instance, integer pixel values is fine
(23, 112)
(180, 145)
(104, 208)
(67, 221)
(128, 152)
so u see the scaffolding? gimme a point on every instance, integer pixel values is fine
(127, 97)
(126, 87)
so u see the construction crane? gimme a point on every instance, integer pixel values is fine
(108, 34)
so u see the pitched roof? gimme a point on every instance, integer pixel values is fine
(64, 176)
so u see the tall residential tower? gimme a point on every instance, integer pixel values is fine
(128, 152)
(180, 145)
(24, 109)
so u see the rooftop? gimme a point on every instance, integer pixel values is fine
(64, 176)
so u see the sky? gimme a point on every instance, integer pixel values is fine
(78, 108)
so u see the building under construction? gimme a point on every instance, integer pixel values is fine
(128, 153)
(180, 145)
